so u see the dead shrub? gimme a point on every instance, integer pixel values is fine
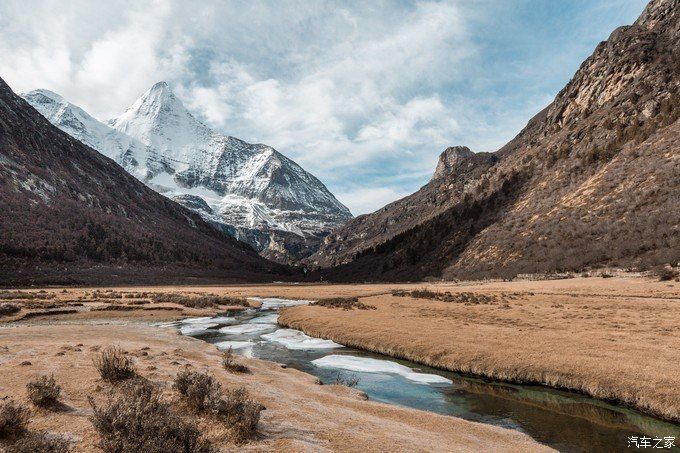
(348, 381)
(465, 297)
(139, 420)
(198, 389)
(44, 391)
(665, 274)
(346, 303)
(14, 418)
(230, 364)
(9, 309)
(42, 442)
(204, 394)
(240, 412)
(208, 301)
(113, 365)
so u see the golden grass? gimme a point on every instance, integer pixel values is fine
(613, 339)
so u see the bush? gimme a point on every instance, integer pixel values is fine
(9, 309)
(113, 365)
(42, 443)
(665, 274)
(242, 413)
(346, 303)
(138, 420)
(230, 364)
(349, 381)
(44, 391)
(204, 394)
(208, 301)
(13, 419)
(198, 389)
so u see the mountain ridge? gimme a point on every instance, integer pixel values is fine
(72, 215)
(592, 180)
(254, 192)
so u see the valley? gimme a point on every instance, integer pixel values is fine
(582, 334)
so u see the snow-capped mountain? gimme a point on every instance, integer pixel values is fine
(249, 190)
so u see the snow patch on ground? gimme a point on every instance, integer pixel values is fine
(294, 339)
(368, 365)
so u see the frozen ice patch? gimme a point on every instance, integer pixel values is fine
(193, 329)
(247, 328)
(269, 303)
(224, 345)
(368, 365)
(294, 339)
(265, 319)
(202, 320)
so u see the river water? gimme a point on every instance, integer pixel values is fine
(563, 420)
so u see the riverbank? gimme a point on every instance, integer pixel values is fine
(300, 415)
(615, 339)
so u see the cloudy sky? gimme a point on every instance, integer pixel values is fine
(365, 95)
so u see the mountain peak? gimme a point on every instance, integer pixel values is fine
(449, 159)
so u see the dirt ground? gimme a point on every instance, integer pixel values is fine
(611, 338)
(300, 415)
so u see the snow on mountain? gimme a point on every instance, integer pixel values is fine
(249, 190)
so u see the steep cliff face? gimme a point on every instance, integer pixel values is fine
(252, 191)
(71, 214)
(593, 179)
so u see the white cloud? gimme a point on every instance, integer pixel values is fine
(366, 200)
(362, 94)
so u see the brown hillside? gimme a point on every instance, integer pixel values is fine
(592, 180)
(71, 215)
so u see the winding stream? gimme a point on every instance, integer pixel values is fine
(566, 421)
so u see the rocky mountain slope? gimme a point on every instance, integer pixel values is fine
(70, 214)
(593, 179)
(252, 192)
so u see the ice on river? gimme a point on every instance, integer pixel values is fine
(265, 319)
(193, 329)
(247, 328)
(224, 345)
(270, 303)
(294, 339)
(368, 365)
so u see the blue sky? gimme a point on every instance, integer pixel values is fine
(365, 95)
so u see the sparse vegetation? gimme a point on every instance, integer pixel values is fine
(139, 420)
(9, 309)
(230, 364)
(44, 391)
(666, 274)
(346, 303)
(41, 442)
(204, 394)
(14, 418)
(208, 301)
(24, 295)
(462, 297)
(198, 389)
(348, 381)
(114, 365)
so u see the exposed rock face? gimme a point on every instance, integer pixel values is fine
(71, 214)
(592, 180)
(458, 167)
(250, 189)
